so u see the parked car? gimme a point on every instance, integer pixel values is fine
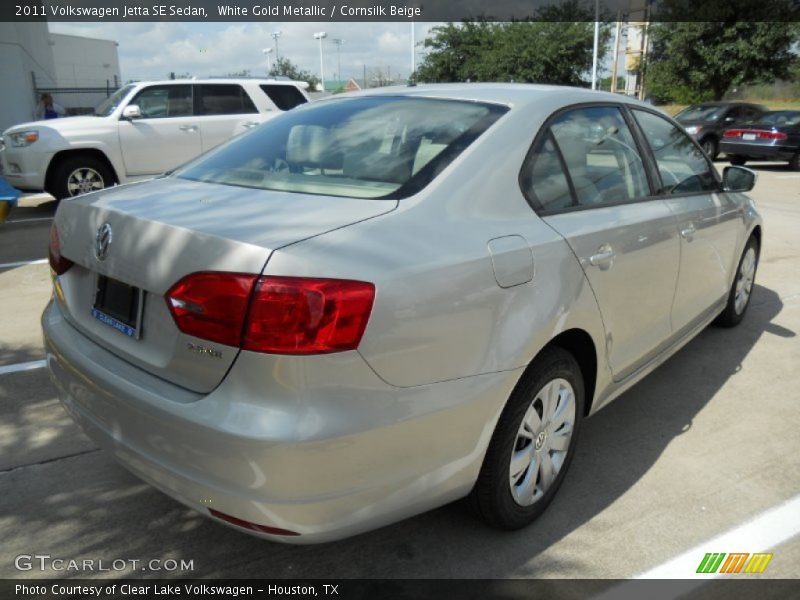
(705, 122)
(374, 305)
(142, 130)
(775, 136)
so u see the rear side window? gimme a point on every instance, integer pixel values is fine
(600, 155)
(223, 99)
(371, 147)
(682, 165)
(544, 179)
(285, 97)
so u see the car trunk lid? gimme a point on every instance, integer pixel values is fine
(165, 229)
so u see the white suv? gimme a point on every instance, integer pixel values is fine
(143, 130)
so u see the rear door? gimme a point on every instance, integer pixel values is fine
(625, 240)
(167, 134)
(709, 221)
(224, 110)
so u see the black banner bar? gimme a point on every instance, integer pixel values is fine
(399, 10)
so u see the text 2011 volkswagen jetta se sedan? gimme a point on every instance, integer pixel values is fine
(374, 305)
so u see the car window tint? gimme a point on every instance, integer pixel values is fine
(161, 101)
(601, 156)
(543, 178)
(285, 97)
(682, 165)
(223, 99)
(370, 147)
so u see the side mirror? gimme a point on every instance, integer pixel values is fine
(738, 179)
(131, 112)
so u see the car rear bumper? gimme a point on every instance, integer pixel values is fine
(758, 151)
(291, 445)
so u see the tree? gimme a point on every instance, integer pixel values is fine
(692, 62)
(557, 51)
(284, 67)
(242, 73)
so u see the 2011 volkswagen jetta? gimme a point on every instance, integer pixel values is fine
(374, 305)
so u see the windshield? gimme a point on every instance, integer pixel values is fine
(701, 112)
(781, 117)
(370, 147)
(107, 106)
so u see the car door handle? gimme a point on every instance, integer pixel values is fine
(604, 258)
(687, 233)
(188, 127)
(250, 124)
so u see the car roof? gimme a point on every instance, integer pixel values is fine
(221, 80)
(511, 94)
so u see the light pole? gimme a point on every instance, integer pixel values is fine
(275, 36)
(338, 42)
(321, 35)
(596, 42)
(266, 52)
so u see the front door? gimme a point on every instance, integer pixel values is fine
(167, 134)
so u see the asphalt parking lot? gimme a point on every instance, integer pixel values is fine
(703, 446)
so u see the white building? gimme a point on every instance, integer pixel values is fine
(77, 71)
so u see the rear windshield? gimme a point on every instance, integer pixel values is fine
(701, 112)
(781, 117)
(370, 147)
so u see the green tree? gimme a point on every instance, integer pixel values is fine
(284, 67)
(557, 51)
(693, 62)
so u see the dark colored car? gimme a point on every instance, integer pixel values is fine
(775, 136)
(706, 122)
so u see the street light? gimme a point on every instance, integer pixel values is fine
(338, 42)
(266, 52)
(321, 35)
(275, 36)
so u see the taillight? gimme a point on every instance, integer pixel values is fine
(298, 315)
(276, 315)
(760, 134)
(58, 263)
(212, 305)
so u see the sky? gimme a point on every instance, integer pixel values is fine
(153, 50)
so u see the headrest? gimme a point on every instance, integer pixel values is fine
(307, 145)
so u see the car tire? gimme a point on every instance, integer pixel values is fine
(738, 161)
(742, 287)
(507, 495)
(710, 147)
(794, 162)
(79, 174)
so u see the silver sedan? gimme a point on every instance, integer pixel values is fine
(377, 304)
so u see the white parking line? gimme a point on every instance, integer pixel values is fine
(763, 532)
(22, 263)
(787, 177)
(767, 530)
(26, 366)
(30, 220)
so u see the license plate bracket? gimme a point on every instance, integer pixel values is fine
(119, 306)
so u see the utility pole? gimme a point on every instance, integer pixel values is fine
(596, 42)
(275, 36)
(338, 42)
(616, 56)
(321, 35)
(413, 53)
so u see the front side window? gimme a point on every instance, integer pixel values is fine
(223, 99)
(163, 101)
(600, 155)
(370, 147)
(682, 165)
(109, 105)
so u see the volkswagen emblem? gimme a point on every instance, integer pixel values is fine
(102, 241)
